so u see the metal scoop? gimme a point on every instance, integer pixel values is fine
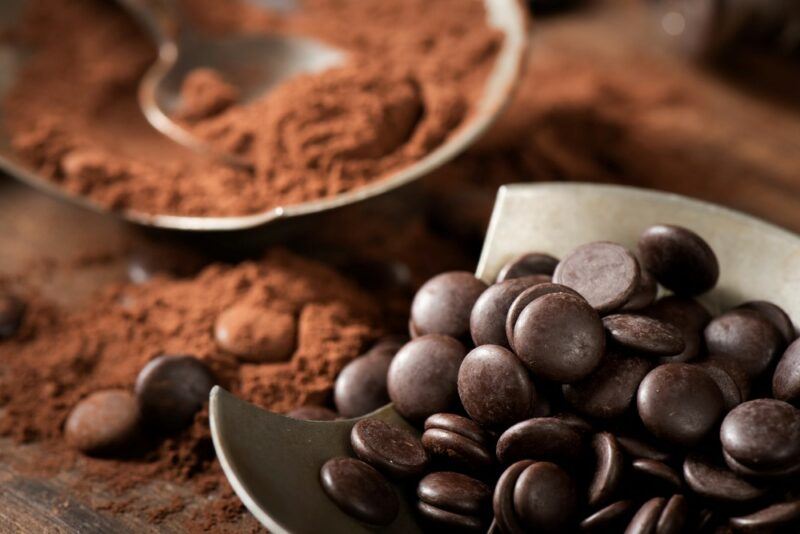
(159, 88)
(273, 462)
(252, 63)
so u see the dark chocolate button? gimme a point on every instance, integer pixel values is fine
(608, 470)
(443, 304)
(449, 521)
(422, 377)
(542, 438)
(12, 309)
(639, 448)
(313, 413)
(494, 387)
(487, 322)
(713, 481)
(559, 337)
(458, 424)
(605, 274)
(674, 516)
(680, 259)
(545, 498)
(503, 500)
(658, 474)
(171, 390)
(770, 519)
(689, 316)
(644, 334)
(786, 380)
(761, 473)
(359, 490)
(645, 294)
(532, 263)
(606, 519)
(763, 434)
(525, 298)
(745, 337)
(390, 449)
(679, 403)
(609, 391)
(774, 314)
(731, 394)
(455, 492)
(361, 386)
(105, 422)
(646, 519)
(256, 333)
(457, 451)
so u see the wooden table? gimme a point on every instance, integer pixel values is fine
(735, 145)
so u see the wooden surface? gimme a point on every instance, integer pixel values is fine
(747, 135)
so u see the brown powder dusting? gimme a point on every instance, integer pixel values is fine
(415, 69)
(60, 357)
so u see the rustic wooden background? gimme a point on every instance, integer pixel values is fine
(741, 147)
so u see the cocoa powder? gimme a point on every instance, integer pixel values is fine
(59, 357)
(414, 71)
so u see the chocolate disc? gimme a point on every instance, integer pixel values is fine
(455, 492)
(763, 434)
(359, 490)
(713, 481)
(532, 263)
(608, 470)
(542, 438)
(644, 334)
(443, 304)
(786, 380)
(680, 259)
(745, 337)
(487, 321)
(390, 449)
(605, 274)
(545, 498)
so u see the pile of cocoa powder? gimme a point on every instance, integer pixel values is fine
(59, 357)
(414, 71)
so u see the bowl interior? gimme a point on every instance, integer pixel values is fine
(757, 260)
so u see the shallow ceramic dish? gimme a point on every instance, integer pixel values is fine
(273, 462)
(508, 16)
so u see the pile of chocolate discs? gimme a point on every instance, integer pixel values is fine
(567, 397)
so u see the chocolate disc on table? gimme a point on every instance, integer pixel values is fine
(763, 434)
(256, 333)
(608, 470)
(360, 490)
(542, 438)
(774, 314)
(689, 316)
(443, 304)
(713, 481)
(605, 274)
(545, 498)
(104, 422)
(171, 390)
(360, 387)
(532, 263)
(644, 334)
(526, 297)
(786, 380)
(745, 337)
(487, 321)
(422, 378)
(609, 391)
(679, 403)
(12, 309)
(559, 337)
(390, 449)
(679, 259)
(494, 387)
(455, 492)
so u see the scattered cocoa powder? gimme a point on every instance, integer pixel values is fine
(414, 71)
(59, 357)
